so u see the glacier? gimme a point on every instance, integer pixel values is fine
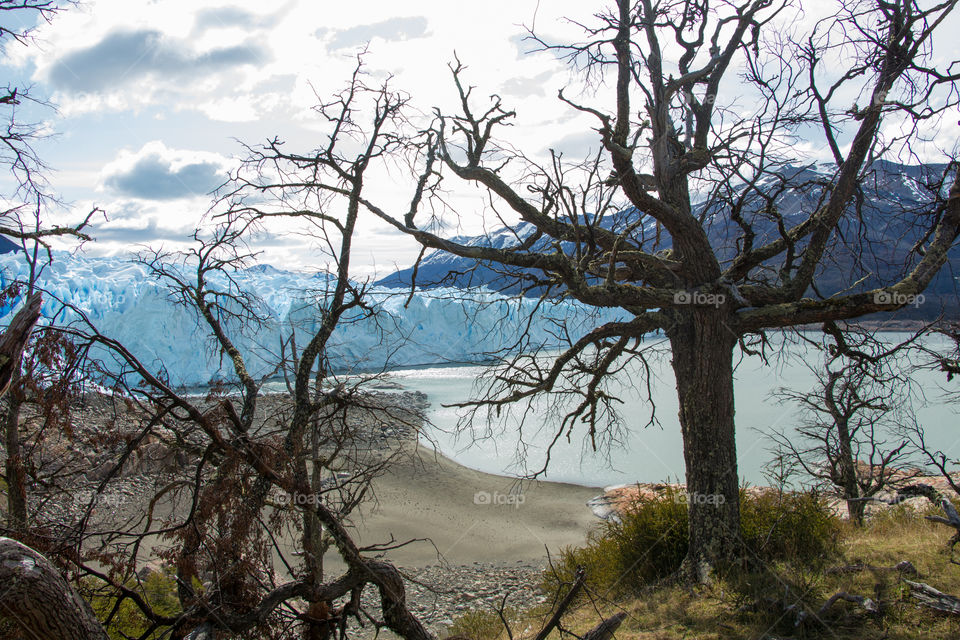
(125, 302)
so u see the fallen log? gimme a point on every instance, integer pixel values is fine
(606, 628)
(927, 596)
(952, 518)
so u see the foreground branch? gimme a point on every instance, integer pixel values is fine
(40, 600)
(15, 338)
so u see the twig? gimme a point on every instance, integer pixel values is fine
(564, 603)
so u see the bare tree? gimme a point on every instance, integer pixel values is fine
(260, 470)
(28, 196)
(37, 597)
(944, 358)
(24, 216)
(632, 228)
(855, 423)
(261, 489)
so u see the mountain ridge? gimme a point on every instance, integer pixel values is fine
(876, 241)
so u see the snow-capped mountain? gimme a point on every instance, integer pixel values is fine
(876, 243)
(126, 303)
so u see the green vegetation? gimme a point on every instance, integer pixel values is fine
(650, 542)
(486, 623)
(807, 555)
(159, 589)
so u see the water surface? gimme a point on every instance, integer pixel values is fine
(645, 453)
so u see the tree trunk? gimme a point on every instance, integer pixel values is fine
(36, 597)
(856, 508)
(848, 475)
(703, 363)
(849, 482)
(12, 343)
(15, 472)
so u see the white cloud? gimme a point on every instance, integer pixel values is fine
(193, 65)
(155, 172)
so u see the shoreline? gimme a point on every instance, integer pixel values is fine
(470, 516)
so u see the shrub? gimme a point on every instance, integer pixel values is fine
(159, 589)
(650, 542)
(789, 527)
(482, 624)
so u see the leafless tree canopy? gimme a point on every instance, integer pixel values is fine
(854, 437)
(632, 228)
(681, 219)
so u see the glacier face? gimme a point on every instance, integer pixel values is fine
(125, 302)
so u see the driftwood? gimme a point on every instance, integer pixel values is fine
(564, 603)
(802, 615)
(36, 597)
(952, 518)
(867, 603)
(606, 629)
(927, 596)
(603, 631)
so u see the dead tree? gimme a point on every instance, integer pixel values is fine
(24, 218)
(853, 438)
(623, 229)
(35, 596)
(253, 472)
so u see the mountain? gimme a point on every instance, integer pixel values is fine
(875, 243)
(7, 245)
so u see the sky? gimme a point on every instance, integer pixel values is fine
(155, 99)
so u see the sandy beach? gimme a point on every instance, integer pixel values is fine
(471, 516)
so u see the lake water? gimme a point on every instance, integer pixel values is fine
(649, 454)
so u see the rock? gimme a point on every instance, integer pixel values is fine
(151, 567)
(442, 592)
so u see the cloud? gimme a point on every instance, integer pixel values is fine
(228, 16)
(123, 57)
(127, 235)
(578, 145)
(392, 29)
(523, 44)
(158, 173)
(526, 87)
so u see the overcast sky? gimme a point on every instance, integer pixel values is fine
(153, 96)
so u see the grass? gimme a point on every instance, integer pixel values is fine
(751, 605)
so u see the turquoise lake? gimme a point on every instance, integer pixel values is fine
(651, 454)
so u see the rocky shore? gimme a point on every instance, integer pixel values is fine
(468, 548)
(616, 499)
(440, 593)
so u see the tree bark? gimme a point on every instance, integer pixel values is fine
(703, 363)
(14, 468)
(927, 596)
(848, 473)
(12, 343)
(39, 600)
